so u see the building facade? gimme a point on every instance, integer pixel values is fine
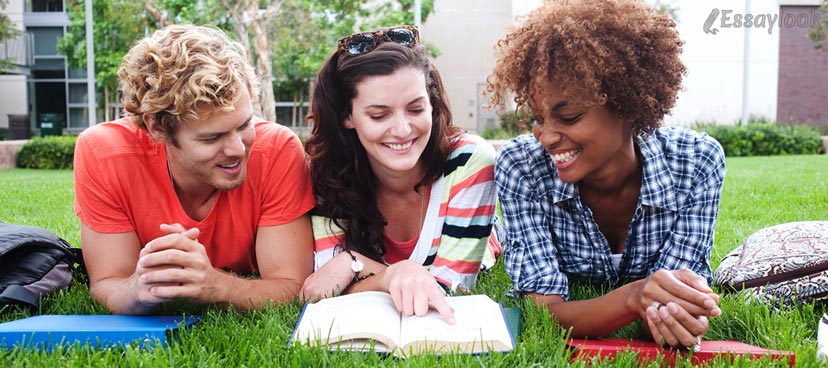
(803, 68)
(43, 87)
(465, 32)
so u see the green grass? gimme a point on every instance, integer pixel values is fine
(758, 192)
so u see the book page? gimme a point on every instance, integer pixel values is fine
(480, 327)
(350, 322)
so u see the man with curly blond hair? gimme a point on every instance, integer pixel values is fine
(599, 193)
(190, 194)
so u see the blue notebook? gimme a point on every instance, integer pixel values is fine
(47, 331)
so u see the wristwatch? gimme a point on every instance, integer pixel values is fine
(356, 266)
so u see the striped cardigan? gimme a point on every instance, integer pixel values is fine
(458, 222)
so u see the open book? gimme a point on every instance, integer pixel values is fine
(648, 351)
(369, 319)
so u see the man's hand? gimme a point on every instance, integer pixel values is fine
(176, 266)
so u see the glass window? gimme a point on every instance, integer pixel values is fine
(56, 65)
(47, 5)
(76, 73)
(45, 40)
(78, 118)
(77, 93)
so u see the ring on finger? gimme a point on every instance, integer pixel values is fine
(695, 347)
(656, 304)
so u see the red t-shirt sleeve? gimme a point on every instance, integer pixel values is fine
(95, 204)
(287, 186)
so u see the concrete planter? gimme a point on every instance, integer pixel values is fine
(8, 152)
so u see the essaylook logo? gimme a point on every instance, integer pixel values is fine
(727, 18)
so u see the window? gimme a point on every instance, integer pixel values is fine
(46, 5)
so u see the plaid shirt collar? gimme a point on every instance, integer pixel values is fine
(656, 189)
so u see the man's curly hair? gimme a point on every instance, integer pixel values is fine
(621, 54)
(184, 73)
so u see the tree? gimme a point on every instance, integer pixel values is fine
(302, 37)
(114, 34)
(250, 23)
(817, 31)
(7, 31)
(393, 13)
(287, 40)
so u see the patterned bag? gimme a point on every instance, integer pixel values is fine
(782, 264)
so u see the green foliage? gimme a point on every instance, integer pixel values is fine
(115, 32)
(399, 12)
(302, 35)
(7, 31)
(817, 31)
(52, 152)
(516, 121)
(512, 123)
(764, 138)
(758, 192)
(4, 134)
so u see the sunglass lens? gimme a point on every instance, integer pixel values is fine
(361, 44)
(401, 36)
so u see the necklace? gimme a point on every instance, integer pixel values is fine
(423, 199)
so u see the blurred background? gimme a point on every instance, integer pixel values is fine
(772, 68)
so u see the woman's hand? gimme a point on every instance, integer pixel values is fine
(414, 290)
(329, 280)
(670, 324)
(683, 287)
(676, 306)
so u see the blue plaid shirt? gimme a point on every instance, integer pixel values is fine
(551, 237)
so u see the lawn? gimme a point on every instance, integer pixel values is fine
(758, 192)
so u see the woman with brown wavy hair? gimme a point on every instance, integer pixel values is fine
(405, 200)
(599, 193)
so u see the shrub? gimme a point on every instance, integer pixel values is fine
(52, 152)
(498, 133)
(516, 121)
(765, 139)
(4, 134)
(512, 124)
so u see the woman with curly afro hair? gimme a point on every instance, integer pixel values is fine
(599, 192)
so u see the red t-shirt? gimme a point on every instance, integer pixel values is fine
(122, 185)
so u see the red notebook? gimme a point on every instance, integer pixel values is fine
(648, 350)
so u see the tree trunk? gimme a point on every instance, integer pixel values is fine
(159, 18)
(262, 48)
(237, 11)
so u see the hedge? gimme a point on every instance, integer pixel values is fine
(51, 152)
(512, 124)
(765, 139)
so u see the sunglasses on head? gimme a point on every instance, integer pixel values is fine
(365, 42)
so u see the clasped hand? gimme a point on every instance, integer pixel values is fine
(676, 306)
(175, 266)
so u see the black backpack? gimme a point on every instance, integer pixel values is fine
(34, 262)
